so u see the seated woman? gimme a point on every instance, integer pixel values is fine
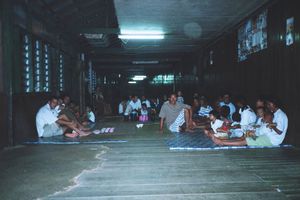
(215, 128)
(271, 133)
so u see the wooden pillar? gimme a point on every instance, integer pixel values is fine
(8, 52)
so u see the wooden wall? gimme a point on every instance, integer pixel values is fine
(17, 108)
(273, 71)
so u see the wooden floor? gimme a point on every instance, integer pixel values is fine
(144, 168)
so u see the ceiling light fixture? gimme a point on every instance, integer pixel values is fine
(139, 77)
(141, 37)
(132, 82)
(145, 62)
(141, 34)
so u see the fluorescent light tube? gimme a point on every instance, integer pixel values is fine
(142, 37)
(132, 82)
(145, 62)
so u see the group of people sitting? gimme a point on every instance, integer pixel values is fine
(136, 109)
(227, 123)
(61, 116)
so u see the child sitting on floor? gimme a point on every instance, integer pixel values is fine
(260, 117)
(144, 113)
(215, 125)
(89, 116)
(224, 116)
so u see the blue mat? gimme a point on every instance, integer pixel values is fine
(60, 140)
(200, 142)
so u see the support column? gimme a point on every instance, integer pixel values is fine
(8, 51)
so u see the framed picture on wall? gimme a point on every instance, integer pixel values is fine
(290, 31)
(252, 36)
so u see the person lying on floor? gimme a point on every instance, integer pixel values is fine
(49, 124)
(271, 133)
(177, 116)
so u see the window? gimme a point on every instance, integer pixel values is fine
(163, 79)
(61, 72)
(47, 75)
(27, 65)
(37, 67)
(92, 80)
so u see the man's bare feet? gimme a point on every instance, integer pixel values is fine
(84, 133)
(85, 129)
(71, 135)
(192, 125)
(217, 140)
(189, 130)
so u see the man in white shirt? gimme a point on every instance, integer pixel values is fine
(280, 121)
(133, 108)
(226, 102)
(49, 124)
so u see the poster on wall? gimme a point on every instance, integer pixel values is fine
(252, 36)
(289, 31)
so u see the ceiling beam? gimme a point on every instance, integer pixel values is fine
(94, 30)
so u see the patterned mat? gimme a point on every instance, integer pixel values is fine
(200, 142)
(64, 140)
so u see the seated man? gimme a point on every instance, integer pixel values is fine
(272, 133)
(71, 111)
(133, 108)
(227, 102)
(176, 115)
(49, 124)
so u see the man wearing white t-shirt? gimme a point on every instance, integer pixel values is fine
(280, 121)
(226, 102)
(49, 124)
(133, 108)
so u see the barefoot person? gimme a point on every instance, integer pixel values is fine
(271, 134)
(49, 124)
(175, 115)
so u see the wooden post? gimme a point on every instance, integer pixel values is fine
(7, 17)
